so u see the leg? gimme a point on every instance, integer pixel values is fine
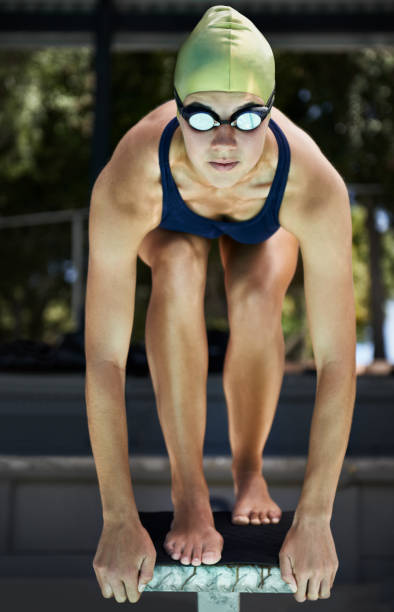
(256, 279)
(177, 353)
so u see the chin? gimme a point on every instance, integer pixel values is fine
(223, 181)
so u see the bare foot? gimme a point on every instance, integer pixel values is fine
(193, 537)
(253, 503)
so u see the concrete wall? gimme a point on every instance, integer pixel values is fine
(50, 510)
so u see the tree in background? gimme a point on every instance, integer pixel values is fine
(371, 156)
(46, 107)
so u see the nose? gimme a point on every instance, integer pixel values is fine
(224, 135)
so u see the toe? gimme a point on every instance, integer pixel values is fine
(186, 555)
(177, 551)
(196, 556)
(169, 547)
(275, 516)
(210, 556)
(265, 518)
(240, 519)
(255, 518)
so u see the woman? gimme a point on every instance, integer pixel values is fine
(230, 166)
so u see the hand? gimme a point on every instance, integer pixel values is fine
(308, 559)
(125, 557)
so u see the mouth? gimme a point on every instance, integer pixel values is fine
(224, 165)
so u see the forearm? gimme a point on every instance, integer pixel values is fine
(328, 440)
(107, 423)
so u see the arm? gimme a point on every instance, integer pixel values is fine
(324, 230)
(116, 229)
(308, 558)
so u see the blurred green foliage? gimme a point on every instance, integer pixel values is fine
(343, 100)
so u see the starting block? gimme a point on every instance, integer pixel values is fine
(249, 562)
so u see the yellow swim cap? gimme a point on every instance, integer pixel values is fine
(225, 52)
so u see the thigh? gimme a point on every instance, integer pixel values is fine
(162, 244)
(268, 266)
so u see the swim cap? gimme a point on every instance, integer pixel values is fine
(225, 52)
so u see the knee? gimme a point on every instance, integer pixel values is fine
(255, 300)
(180, 263)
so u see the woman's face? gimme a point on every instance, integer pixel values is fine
(223, 143)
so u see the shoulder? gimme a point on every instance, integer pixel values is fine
(309, 163)
(314, 184)
(132, 174)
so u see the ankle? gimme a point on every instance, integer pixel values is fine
(246, 466)
(192, 504)
(190, 490)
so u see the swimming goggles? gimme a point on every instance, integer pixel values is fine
(203, 119)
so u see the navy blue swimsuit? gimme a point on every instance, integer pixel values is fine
(177, 216)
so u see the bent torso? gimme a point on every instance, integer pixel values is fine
(222, 204)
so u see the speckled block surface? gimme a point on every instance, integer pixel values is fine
(249, 562)
(218, 579)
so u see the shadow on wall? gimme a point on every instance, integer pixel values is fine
(69, 355)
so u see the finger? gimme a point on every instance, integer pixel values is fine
(107, 591)
(300, 595)
(104, 586)
(324, 592)
(313, 588)
(286, 571)
(332, 578)
(119, 590)
(130, 585)
(146, 571)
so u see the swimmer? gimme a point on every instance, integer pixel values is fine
(219, 160)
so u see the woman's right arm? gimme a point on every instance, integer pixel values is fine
(116, 230)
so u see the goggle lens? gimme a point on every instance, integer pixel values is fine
(201, 121)
(248, 121)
